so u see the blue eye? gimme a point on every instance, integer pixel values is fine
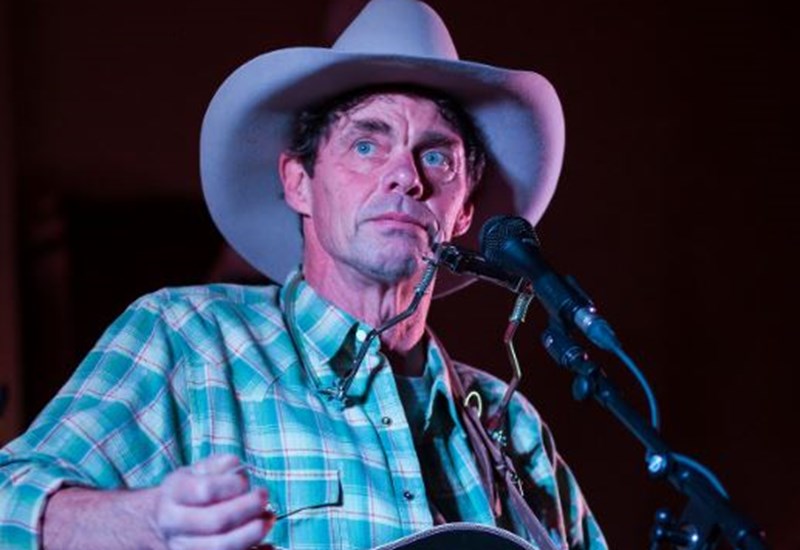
(364, 148)
(434, 158)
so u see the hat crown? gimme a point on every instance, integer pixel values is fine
(397, 27)
(248, 123)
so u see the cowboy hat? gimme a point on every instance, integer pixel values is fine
(249, 121)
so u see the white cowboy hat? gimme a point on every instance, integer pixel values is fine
(249, 122)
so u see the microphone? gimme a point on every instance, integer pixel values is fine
(461, 260)
(511, 243)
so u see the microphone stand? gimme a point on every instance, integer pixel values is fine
(708, 512)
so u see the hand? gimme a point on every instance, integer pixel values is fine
(210, 505)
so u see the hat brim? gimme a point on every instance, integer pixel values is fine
(249, 121)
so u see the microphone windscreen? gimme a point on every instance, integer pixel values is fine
(499, 229)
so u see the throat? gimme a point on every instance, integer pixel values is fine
(410, 363)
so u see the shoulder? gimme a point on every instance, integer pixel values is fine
(189, 334)
(211, 298)
(217, 306)
(474, 379)
(202, 320)
(491, 388)
(528, 432)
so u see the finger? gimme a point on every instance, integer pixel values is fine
(216, 464)
(187, 489)
(214, 519)
(245, 535)
(241, 538)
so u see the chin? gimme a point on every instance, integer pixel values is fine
(394, 269)
(392, 258)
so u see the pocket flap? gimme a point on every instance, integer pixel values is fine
(296, 490)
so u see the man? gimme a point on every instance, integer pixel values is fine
(218, 416)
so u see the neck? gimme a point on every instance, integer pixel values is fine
(375, 303)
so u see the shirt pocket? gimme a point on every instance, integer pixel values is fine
(307, 506)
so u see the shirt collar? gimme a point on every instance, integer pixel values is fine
(441, 397)
(324, 334)
(327, 338)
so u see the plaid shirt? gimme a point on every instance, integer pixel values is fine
(186, 373)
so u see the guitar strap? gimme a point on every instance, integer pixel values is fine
(498, 474)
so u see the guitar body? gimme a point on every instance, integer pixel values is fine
(460, 536)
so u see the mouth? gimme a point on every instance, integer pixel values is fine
(400, 221)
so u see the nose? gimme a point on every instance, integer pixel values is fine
(403, 177)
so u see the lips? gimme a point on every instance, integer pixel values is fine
(403, 216)
(400, 218)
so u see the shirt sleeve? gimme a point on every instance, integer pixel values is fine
(115, 424)
(552, 490)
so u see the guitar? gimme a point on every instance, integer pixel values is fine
(460, 536)
(452, 536)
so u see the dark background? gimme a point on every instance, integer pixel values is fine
(674, 210)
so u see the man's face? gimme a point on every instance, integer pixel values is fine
(389, 181)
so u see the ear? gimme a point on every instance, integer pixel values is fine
(464, 219)
(296, 184)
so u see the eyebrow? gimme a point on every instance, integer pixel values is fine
(435, 139)
(372, 125)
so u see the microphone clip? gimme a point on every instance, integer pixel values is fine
(463, 261)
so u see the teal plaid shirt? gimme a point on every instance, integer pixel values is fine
(190, 372)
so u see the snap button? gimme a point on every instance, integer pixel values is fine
(386, 421)
(408, 495)
(361, 334)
